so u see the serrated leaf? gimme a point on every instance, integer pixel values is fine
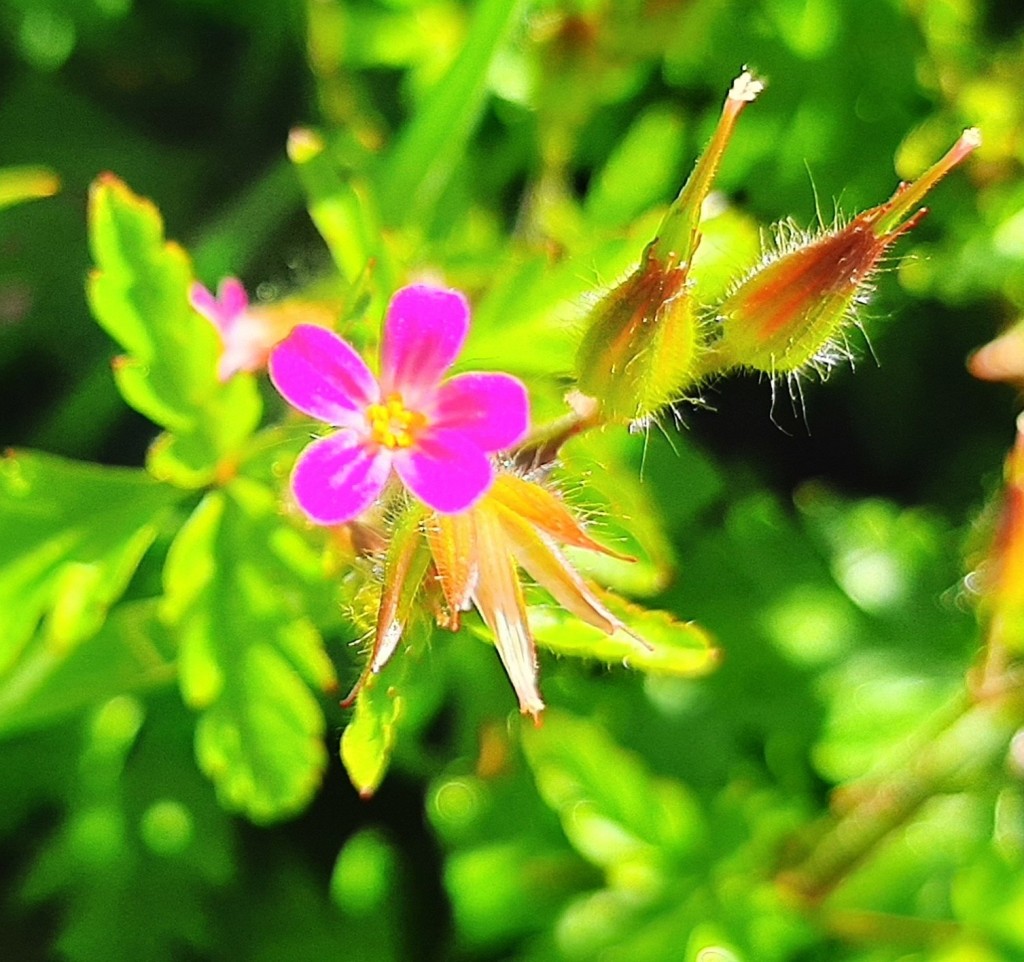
(139, 295)
(613, 810)
(73, 535)
(248, 650)
(677, 648)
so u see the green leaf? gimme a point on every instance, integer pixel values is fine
(677, 648)
(73, 534)
(613, 810)
(342, 214)
(143, 846)
(248, 652)
(430, 148)
(132, 651)
(370, 738)
(18, 184)
(643, 170)
(139, 295)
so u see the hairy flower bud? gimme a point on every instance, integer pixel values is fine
(638, 352)
(791, 310)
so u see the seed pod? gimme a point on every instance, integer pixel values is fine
(791, 311)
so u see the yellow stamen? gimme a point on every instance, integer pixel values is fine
(392, 424)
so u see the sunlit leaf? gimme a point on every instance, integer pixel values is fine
(677, 648)
(248, 653)
(18, 184)
(139, 295)
(73, 534)
(613, 810)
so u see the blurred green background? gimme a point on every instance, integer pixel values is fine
(820, 536)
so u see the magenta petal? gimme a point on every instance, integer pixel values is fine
(232, 297)
(446, 470)
(492, 409)
(203, 302)
(322, 375)
(423, 334)
(338, 477)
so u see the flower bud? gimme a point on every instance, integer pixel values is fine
(1001, 359)
(639, 350)
(791, 310)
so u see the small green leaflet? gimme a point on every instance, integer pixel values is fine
(19, 184)
(248, 651)
(73, 535)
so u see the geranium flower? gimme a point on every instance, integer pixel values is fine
(247, 334)
(437, 437)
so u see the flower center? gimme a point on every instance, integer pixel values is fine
(392, 424)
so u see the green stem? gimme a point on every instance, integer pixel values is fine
(974, 741)
(677, 236)
(854, 925)
(542, 447)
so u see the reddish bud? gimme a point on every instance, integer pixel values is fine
(639, 351)
(791, 311)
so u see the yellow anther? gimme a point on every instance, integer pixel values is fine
(392, 424)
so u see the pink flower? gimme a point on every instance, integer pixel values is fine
(247, 334)
(436, 436)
